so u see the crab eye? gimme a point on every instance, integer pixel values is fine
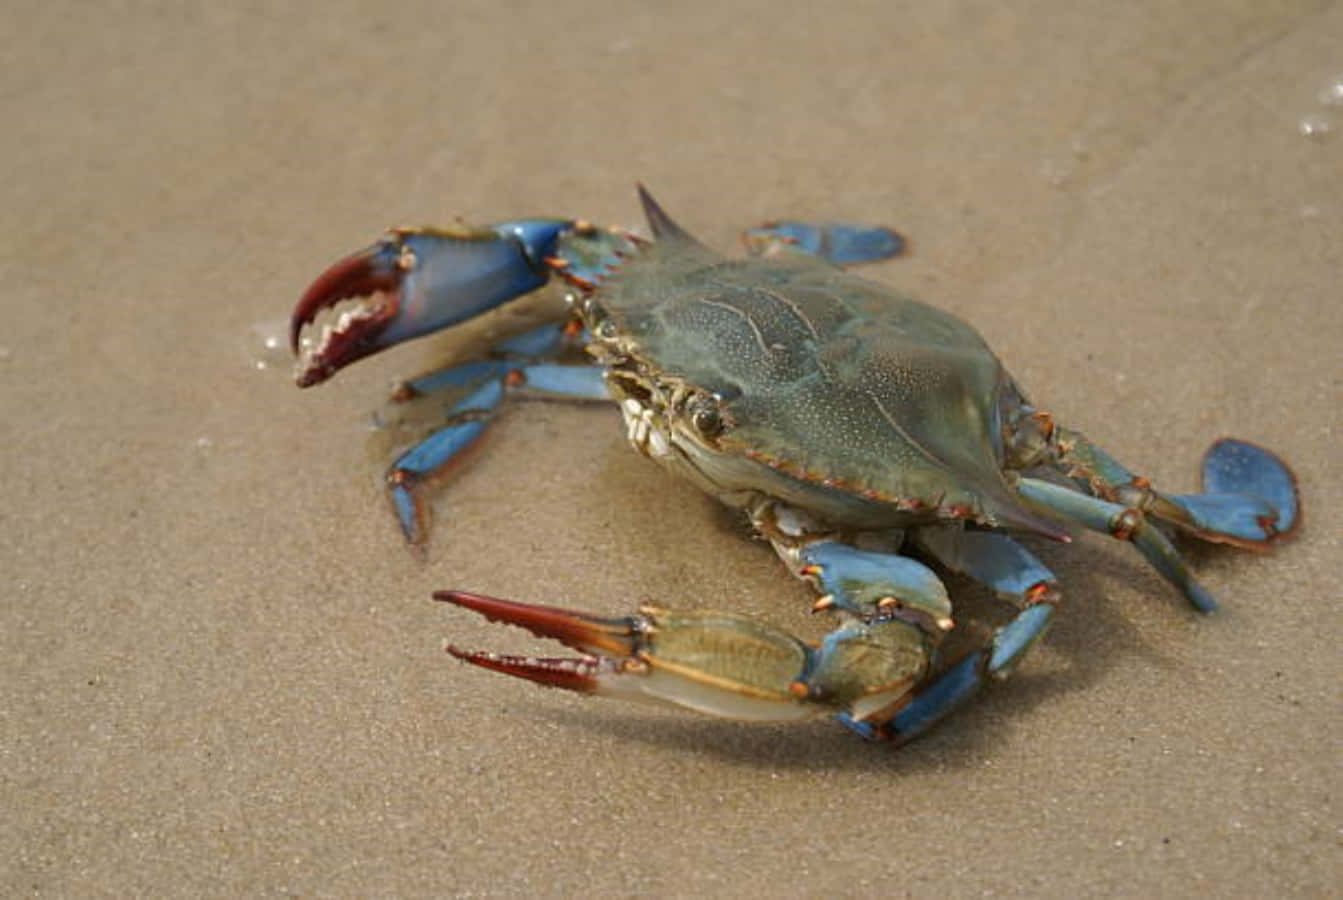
(598, 320)
(705, 418)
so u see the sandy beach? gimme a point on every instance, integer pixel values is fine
(223, 674)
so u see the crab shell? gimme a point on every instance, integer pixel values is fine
(793, 379)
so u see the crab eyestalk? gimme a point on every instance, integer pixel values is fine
(416, 281)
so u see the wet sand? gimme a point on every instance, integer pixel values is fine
(222, 673)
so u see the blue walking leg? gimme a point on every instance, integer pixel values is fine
(865, 583)
(433, 458)
(1126, 523)
(989, 557)
(832, 241)
(871, 587)
(998, 562)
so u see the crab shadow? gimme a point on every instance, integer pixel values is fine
(1090, 636)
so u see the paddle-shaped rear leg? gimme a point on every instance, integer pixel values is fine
(1249, 496)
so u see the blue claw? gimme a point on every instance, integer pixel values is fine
(838, 243)
(416, 281)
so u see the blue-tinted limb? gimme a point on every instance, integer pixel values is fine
(893, 616)
(543, 343)
(989, 557)
(873, 585)
(416, 281)
(1126, 523)
(998, 562)
(1011, 571)
(956, 685)
(1248, 499)
(466, 420)
(832, 241)
(864, 583)
(1249, 494)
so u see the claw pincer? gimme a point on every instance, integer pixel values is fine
(416, 281)
(609, 645)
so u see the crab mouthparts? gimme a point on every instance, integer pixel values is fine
(357, 298)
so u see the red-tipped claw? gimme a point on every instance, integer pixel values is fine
(716, 663)
(373, 277)
(415, 281)
(617, 639)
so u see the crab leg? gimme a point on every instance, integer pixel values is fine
(1123, 522)
(866, 670)
(989, 557)
(416, 281)
(871, 584)
(466, 421)
(1001, 564)
(712, 662)
(546, 342)
(715, 663)
(953, 687)
(1249, 496)
(834, 242)
(870, 671)
(864, 583)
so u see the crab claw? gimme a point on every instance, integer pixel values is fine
(415, 281)
(715, 663)
(712, 662)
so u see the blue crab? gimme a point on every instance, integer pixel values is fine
(848, 422)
